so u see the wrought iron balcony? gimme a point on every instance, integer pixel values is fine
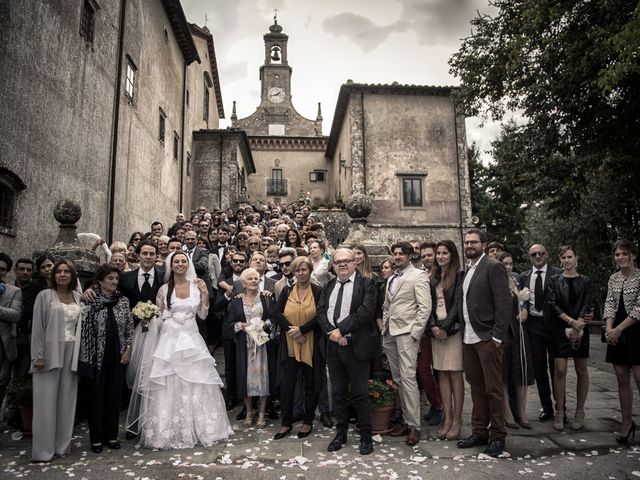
(277, 187)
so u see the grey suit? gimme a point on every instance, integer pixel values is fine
(10, 310)
(405, 317)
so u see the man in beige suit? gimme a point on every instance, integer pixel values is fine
(407, 307)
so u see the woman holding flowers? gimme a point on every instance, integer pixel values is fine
(105, 349)
(182, 402)
(249, 314)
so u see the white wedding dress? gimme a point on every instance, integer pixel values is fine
(181, 399)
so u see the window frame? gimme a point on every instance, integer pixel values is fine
(162, 126)
(415, 180)
(12, 185)
(88, 21)
(176, 146)
(130, 83)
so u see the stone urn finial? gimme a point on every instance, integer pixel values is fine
(359, 207)
(67, 213)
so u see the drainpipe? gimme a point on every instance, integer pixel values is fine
(183, 118)
(455, 130)
(220, 163)
(114, 126)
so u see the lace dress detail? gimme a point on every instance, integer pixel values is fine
(184, 403)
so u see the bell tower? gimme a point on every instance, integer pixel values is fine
(275, 74)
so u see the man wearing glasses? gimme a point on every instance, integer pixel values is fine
(536, 280)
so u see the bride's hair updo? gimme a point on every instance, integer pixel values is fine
(172, 282)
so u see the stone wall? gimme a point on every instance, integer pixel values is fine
(336, 224)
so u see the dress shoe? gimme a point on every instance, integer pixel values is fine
(545, 415)
(366, 445)
(413, 437)
(302, 434)
(282, 434)
(399, 431)
(242, 415)
(96, 448)
(495, 448)
(525, 425)
(326, 420)
(436, 418)
(513, 425)
(338, 441)
(130, 435)
(113, 445)
(471, 441)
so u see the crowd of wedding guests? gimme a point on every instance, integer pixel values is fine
(298, 319)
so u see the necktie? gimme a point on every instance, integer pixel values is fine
(338, 307)
(291, 281)
(190, 253)
(539, 292)
(145, 291)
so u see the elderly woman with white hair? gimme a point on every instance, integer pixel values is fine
(249, 314)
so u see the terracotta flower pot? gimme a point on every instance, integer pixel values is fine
(381, 418)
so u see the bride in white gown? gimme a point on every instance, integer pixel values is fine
(179, 386)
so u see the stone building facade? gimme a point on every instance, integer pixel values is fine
(99, 106)
(405, 147)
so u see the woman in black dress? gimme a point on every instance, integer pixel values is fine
(570, 298)
(621, 314)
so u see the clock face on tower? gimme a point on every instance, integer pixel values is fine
(276, 94)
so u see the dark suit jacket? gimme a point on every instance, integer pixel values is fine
(200, 260)
(489, 300)
(361, 322)
(128, 285)
(525, 279)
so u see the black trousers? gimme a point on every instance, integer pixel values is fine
(103, 403)
(542, 360)
(288, 376)
(229, 346)
(344, 370)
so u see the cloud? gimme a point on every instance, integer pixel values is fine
(442, 22)
(359, 29)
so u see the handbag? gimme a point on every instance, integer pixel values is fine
(574, 336)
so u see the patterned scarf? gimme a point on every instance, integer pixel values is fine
(93, 336)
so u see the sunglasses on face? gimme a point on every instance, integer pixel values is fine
(237, 260)
(537, 254)
(251, 244)
(285, 264)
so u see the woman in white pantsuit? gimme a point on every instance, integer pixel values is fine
(55, 341)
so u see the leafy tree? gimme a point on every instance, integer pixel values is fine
(571, 69)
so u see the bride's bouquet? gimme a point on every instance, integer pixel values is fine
(255, 330)
(144, 312)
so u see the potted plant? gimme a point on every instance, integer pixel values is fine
(382, 396)
(22, 390)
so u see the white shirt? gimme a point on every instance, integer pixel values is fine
(347, 295)
(470, 335)
(532, 289)
(189, 252)
(141, 273)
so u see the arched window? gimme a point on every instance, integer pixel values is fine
(10, 186)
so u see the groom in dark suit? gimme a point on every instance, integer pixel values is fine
(346, 313)
(143, 283)
(486, 308)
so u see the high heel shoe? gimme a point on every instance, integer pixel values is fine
(248, 420)
(261, 422)
(282, 434)
(623, 440)
(302, 434)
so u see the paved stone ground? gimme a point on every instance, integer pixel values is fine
(252, 454)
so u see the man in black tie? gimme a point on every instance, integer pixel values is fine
(536, 280)
(143, 283)
(346, 313)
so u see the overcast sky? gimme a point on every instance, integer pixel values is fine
(367, 41)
